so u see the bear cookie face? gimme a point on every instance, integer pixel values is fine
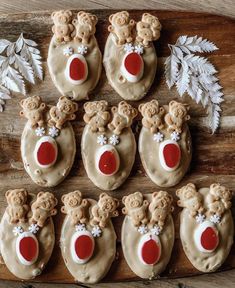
(206, 225)
(48, 143)
(147, 232)
(27, 232)
(130, 58)
(74, 58)
(165, 134)
(108, 144)
(88, 238)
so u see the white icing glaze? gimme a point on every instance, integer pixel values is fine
(198, 233)
(20, 257)
(38, 144)
(144, 239)
(67, 74)
(161, 155)
(130, 77)
(103, 149)
(72, 246)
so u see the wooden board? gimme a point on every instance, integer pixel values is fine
(213, 155)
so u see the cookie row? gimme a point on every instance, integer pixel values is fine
(108, 144)
(88, 239)
(130, 60)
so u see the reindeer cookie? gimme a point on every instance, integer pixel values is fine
(165, 142)
(27, 232)
(88, 239)
(148, 232)
(206, 225)
(48, 143)
(74, 58)
(108, 144)
(130, 58)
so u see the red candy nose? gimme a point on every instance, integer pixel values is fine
(27, 248)
(46, 152)
(108, 160)
(76, 70)
(82, 246)
(170, 155)
(206, 237)
(132, 67)
(209, 239)
(149, 249)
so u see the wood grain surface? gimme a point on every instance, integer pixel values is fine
(213, 155)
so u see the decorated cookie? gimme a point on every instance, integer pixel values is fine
(27, 232)
(88, 239)
(147, 232)
(165, 142)
(48, 143)
(130, 58)
(206, 225)
(108, 144)
(74, 59)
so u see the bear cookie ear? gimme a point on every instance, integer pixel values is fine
(147, 228)
(88, 227)
(25, 231)
(204, 224)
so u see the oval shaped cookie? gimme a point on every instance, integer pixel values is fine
(206, 225)
(146, 242)
(25, 246)
(88, 239)
(108, 145)
(165, 142)
(48, 150)
(130, 61)
(74, 60)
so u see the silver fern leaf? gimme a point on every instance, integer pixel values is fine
(195, 75)
(19, 61)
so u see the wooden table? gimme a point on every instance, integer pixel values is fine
(208, 165)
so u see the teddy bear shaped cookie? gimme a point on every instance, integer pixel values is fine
(165, 135)
(147, 232)
(27, 232)
(74, 58)
(206, 225)
(130, 59)
(48, 143)
(108, 145)
(88, 239)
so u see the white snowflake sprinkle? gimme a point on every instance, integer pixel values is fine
(175, 136)
(142, 229)
(40, 131)
(114, 140)
(102, 139)
(139, 49)
(96, 231)
(53, 131)
(158, 137)
(17, 230)
(200, 218)
(33, 228)
(82, 49)
(128, 47)
(156, 230)
(80, 227)
(215, 219)
(68, 51)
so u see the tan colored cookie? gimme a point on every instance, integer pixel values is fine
(95, 268)
(131, 239)
(206, 261)
(8, 249)
(149, 148)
